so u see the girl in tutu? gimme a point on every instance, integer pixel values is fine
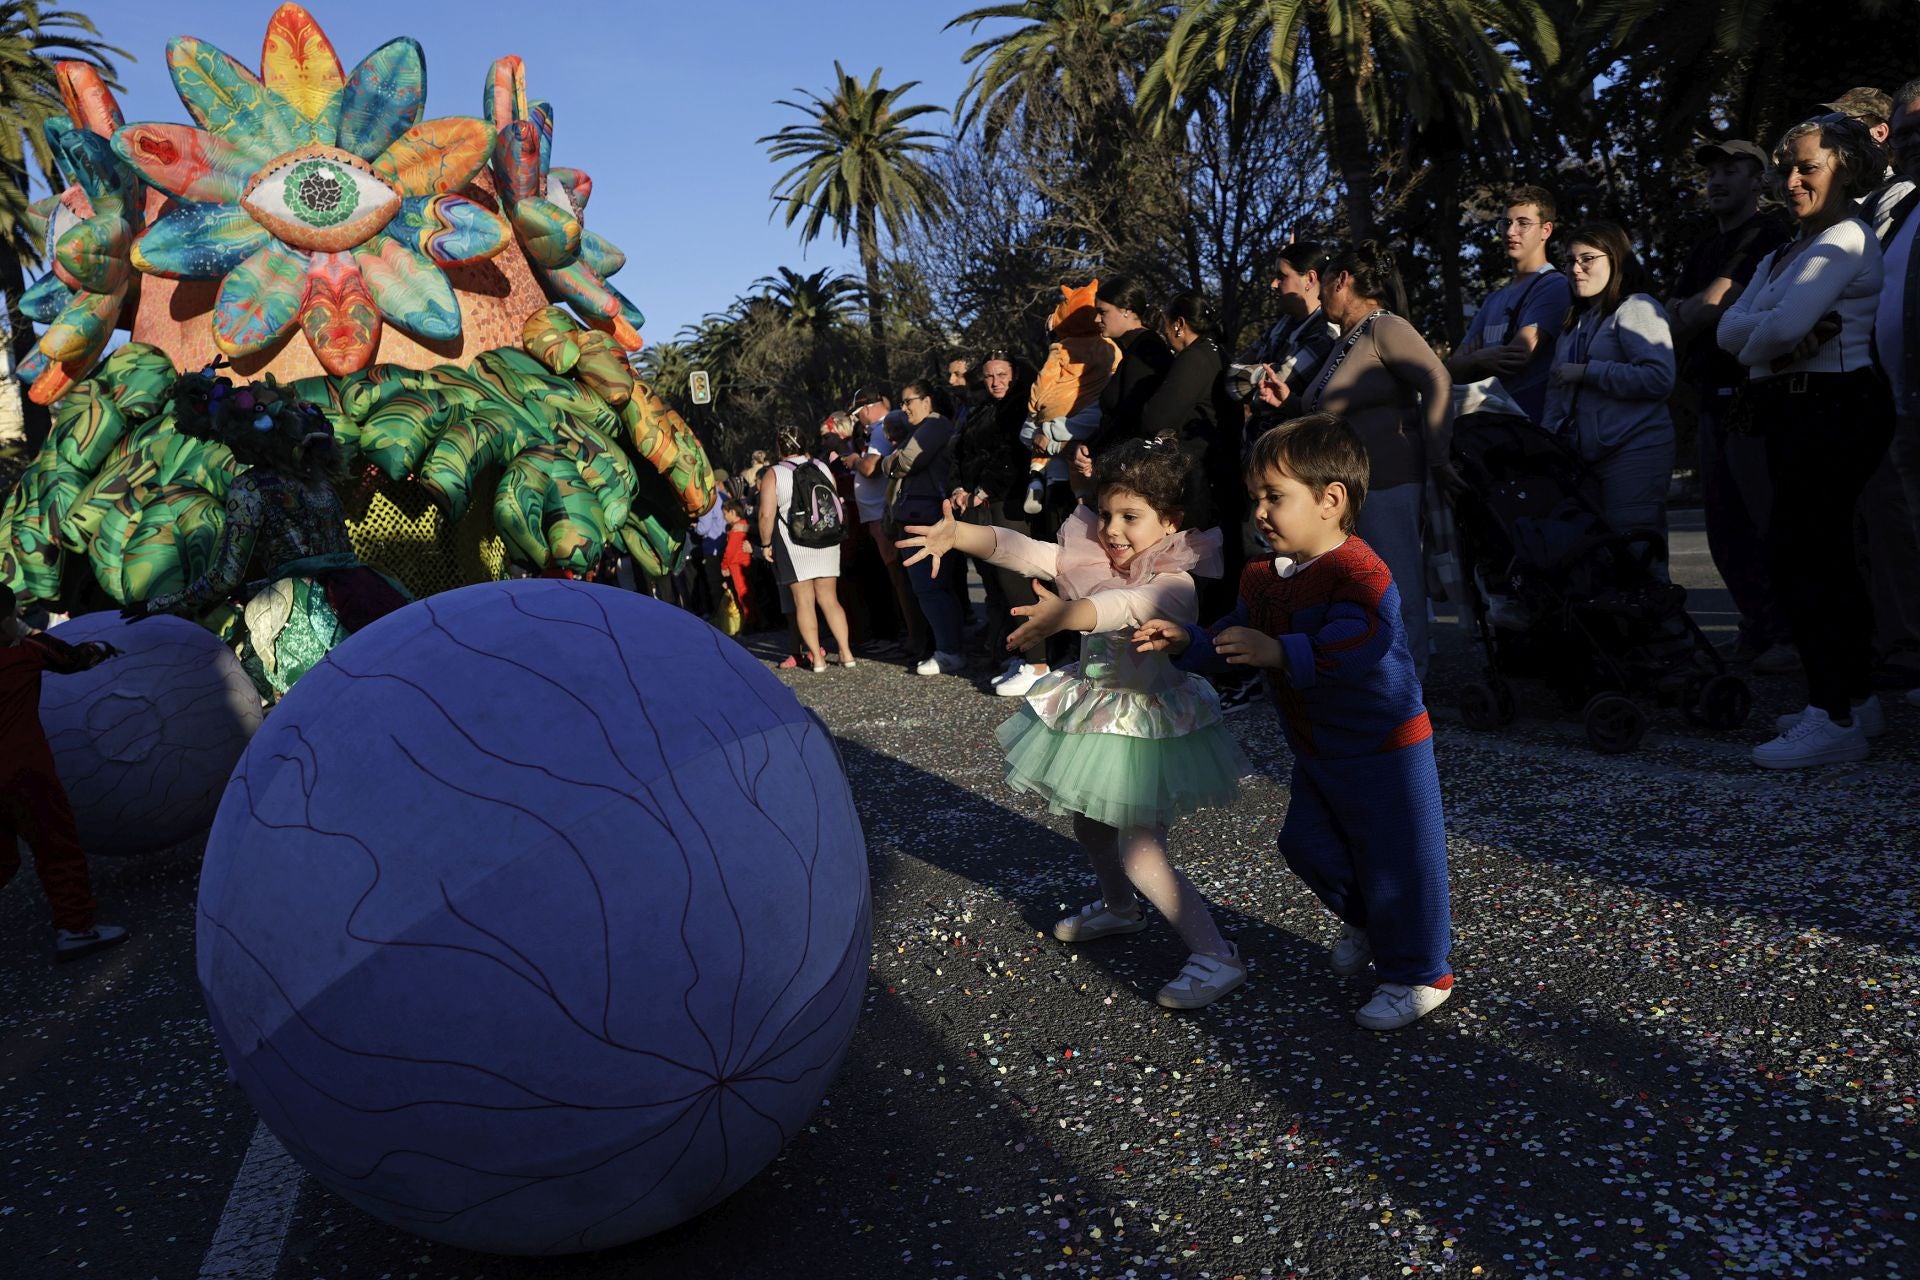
(1121, 740)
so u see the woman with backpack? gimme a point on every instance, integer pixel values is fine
(922, 477)
(801, 525)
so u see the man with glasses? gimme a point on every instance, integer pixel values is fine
(1505, 339)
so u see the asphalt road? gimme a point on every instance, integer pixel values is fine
(1683, 1043)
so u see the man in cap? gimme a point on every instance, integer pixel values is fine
(1874, 109)
(1733, 467)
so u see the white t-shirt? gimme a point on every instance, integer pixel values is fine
(870, 492)
(1889, 327)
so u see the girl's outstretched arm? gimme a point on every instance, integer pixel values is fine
(937, 540)
(1048, 615)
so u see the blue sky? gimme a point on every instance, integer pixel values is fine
(659, 102)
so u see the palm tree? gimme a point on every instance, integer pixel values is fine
(857, 165)
(813, 303)
(1444, 58)
(1083, 53)
(31, 41)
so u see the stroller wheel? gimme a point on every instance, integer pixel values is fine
(1725, 703)
(1615, 723)
(1487, 705)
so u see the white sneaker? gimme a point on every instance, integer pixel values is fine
(1098, 920)
(69, 945)
(1352, 953)
(1036, 500)
(1869, 715)
(940, 664)
(1007, 668)
(1395, 1004)
(1813, 739)
(1017, 682)
(1778, 661)
(1204, 980)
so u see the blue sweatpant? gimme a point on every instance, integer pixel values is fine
(1367, 836)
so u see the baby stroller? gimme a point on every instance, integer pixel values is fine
(1558, 594)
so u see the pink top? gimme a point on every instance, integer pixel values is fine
(1156, 583)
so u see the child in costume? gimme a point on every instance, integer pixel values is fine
(1322, 618)
(33, 804)
(1064, 405)
(1121, 740)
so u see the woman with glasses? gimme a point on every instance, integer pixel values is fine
(1613, 369)
(922, 477)
(1804, 329)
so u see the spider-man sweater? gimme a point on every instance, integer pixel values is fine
(1349, 688)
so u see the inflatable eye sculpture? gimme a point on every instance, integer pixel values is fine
(88, 229)
(536, 918)
(318, 199)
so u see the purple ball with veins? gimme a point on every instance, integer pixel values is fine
(144, 742)
(536, 918)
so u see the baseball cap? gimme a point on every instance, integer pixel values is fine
(1731, 149)
(864, 397)
(1863, 102)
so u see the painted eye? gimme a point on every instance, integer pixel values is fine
(320, 199)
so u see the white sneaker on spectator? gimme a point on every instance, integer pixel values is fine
(1778, 661)
(1814, 739)
(1017, 682)
(1869, 715)
(1396, 1004)
(1007, 668)
(940, 664)
(1352, 953)
(71, 945)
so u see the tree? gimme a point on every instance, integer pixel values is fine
(32, 39)
(1452, 57)
(812, 303)
(857, 165)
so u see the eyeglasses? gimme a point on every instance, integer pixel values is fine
(906, 400)
(1585, 261)
(1524, 224)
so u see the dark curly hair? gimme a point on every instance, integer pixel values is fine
(1160, 471)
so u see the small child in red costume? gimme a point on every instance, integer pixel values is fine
(33, 804)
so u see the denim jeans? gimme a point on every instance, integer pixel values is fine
(1633, 488)
(939, 603)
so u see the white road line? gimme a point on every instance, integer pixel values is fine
(259, 1209)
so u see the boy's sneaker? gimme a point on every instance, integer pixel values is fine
(1098, 920)
(1352, 953)
(1869, 715)
(941, 664)
(1396, 1004)
(1813, 739)
(1204, 980)
(69, 945)
(1017, 682)
(1777, 661)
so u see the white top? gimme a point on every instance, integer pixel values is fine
(1840, 271)
(870, 492)
(1889, 325)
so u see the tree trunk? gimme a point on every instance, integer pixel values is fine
(1352, 143)
(867, 231)
(13, 282)
(1446, 243)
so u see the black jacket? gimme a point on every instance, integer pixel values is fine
(1192, 405)
(1145, 358)
(988, 454)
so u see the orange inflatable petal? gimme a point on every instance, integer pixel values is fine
(338, 315)
(436, 156)
(507, 91)
(90, 104)
(298, 62)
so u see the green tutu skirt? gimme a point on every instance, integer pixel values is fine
(1118, 779)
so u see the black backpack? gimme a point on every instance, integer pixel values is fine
(814, 518)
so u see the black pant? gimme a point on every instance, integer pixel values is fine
(1826, 433)
(1006, 589)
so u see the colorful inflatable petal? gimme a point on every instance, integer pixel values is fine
(452, 230)
(35, 365)
(339, 316)
(599, 253)
(198, 242)
(90, 103)
(409, 290)
(298, 62)
(43, 302)
(516, 160)
(579, 186)
(189, 163)
(141, 378)
(94, 165)
(81, 331)
(503, 99)
(88, 424)
(383, 98)
(229, 101)
(94, 254)
(396, 433)
(259, 300)
(436, 156)
(599, 305)
(549, 233)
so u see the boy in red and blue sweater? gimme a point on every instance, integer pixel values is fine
(1364, 827)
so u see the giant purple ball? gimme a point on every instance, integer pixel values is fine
(536, 917)
(144, 742)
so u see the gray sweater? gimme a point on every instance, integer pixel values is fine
(1621, 399)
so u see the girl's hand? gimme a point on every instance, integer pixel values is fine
(1042, 618)
(1247, 647)
(1160, 635)
(934, 540)
(1569, 374)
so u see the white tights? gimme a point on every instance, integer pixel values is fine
(1129, 858)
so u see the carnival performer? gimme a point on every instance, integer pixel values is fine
(285, 520)
(1121, 740)
(33, 803)
(1322, 617)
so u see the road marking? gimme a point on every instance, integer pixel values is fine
(259, 1210)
